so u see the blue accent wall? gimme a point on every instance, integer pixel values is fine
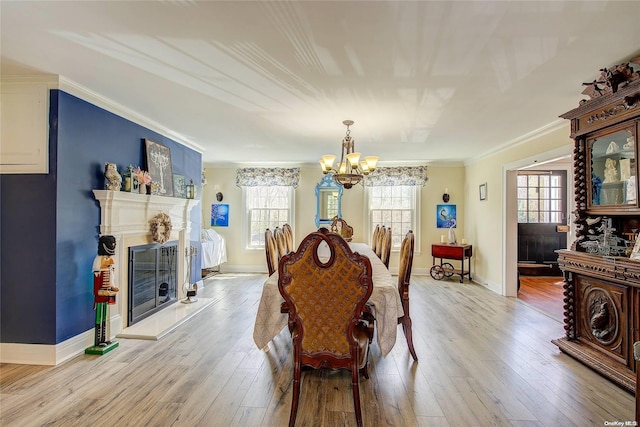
(50, 223)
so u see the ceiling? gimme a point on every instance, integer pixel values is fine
(270, 82)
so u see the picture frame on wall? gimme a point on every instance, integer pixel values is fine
(483, 191)
(219, 215)
(446, 216)
(160, 168)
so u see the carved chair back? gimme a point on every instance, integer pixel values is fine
(340, 226)
(325, 300)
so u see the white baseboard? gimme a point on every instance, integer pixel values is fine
(50, 354)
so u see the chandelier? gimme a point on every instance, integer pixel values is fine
(350, 170)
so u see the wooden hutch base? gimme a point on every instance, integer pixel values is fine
(602, 300)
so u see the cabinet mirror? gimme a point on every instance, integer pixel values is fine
(328, 197)
(613, 169)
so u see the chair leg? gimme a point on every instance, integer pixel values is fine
(406, 327)
(296, 395)
(355, 386)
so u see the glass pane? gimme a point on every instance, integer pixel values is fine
(522, 216)
(533, 180)
(612, 163)
(533, 216)
(533, 205)
(555, 217)
(544, 193)
(544, 180)
(533, 193)
(522, 205)
(522, 181)
(522, 193)
(556, 181)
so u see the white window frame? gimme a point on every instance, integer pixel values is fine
(415, 220)
(246, 217)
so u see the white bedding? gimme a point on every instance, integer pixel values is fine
(214, 249)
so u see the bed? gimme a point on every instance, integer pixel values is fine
(214, 251)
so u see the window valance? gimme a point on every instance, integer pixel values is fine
(255, 177)
(402, 175)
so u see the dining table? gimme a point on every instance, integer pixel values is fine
(385, 300)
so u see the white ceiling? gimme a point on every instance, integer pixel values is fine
(270, 82)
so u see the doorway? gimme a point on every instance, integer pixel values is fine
(555, 160)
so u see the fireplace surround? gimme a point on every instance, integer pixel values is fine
(126, 216)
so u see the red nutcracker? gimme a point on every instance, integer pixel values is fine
(104, 292)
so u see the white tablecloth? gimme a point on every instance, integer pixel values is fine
(384, 297)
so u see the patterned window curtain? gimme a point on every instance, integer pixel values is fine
(256, 177)
(402, 175)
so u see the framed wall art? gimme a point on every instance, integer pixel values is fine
(220, 215)
(179, 186)
(446, 216)
(160, 168)
(483, 191)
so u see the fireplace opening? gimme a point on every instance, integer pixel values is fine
(153, 278)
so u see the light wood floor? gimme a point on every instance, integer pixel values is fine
(484, 360)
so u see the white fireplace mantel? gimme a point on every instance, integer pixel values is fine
(126, 216)
(123, 213)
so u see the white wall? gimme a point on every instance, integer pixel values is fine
(495, 261)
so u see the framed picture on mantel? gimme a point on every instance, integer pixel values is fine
(160, 168)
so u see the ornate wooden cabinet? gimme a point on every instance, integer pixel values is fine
(602, 284)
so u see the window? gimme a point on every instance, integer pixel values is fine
(265, 207)
(540, 198)
(396, 207)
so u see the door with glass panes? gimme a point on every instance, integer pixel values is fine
(542, 220)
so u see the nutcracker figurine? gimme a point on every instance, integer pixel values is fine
(104, 294)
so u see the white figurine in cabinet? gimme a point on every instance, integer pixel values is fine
(610, 171)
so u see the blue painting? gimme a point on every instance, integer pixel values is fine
(220, 215)
(446, 216)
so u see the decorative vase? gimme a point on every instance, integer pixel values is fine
(143, 188)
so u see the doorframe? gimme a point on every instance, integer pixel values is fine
(510, 209)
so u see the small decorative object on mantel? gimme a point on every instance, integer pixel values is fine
(160, 228)
(191, 190)
(112, 178)
(179, 186)
(142, 178)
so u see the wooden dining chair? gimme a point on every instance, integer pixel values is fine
(281, 242)
(325, 300)
(404, 276)
(340, 226)
(374, 238)
(271, 251)
(379, 239)
(385, 251)
(288, 234)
